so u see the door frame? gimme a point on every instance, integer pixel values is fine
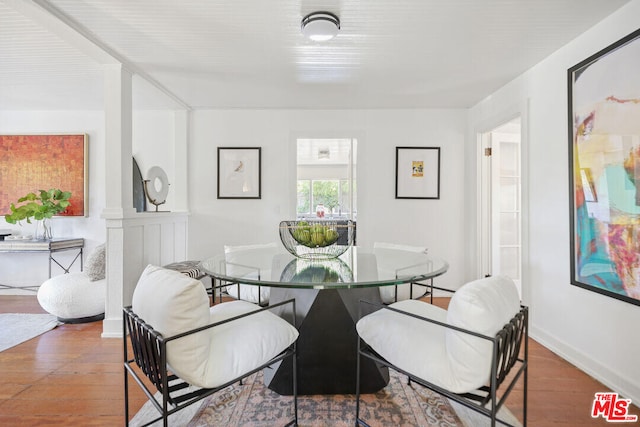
(496, 120)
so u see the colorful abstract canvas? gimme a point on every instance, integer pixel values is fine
(29, 163)
(604, 133)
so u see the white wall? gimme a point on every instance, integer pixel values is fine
(596, 333)
(437, 224)
(153, 144)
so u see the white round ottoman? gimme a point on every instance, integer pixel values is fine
(73, 297)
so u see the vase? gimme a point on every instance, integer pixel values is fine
(43, 229)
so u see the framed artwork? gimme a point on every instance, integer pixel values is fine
(29, 163)
(417, 172)
(239, 172)
(604, 170)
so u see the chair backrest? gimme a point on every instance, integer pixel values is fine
(484, 306)
(172, 303)
(399, 247)
(385, 254)
(251, 260)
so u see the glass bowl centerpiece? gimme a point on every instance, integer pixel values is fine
(322, 239)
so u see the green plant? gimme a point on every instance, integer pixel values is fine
(39, 206)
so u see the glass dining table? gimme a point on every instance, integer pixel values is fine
(327, 294)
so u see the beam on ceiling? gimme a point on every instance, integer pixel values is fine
(84, 40)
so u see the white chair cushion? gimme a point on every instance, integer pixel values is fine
(452, 360)
(409, 343)
(253, 262)
(173, 303)
(483, 306)
(242, 345)
(72, 296)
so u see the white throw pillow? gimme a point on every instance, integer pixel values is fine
(173, 303)
(94, 266)
(483, 306)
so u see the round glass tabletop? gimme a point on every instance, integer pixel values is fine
(273, 266)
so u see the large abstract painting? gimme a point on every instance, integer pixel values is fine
(29, 163)
(604, 140)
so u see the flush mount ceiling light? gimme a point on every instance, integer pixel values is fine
(320, 26)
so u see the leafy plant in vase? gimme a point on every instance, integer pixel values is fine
(40, 207)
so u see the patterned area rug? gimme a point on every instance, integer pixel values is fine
(398, 404)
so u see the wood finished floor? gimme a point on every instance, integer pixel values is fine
(70, 376)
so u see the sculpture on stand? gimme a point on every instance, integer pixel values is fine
(156, 187)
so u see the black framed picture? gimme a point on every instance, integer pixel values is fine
(239, 172)
(417, 172)
(604, 170)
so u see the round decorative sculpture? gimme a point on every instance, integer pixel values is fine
(156, 186)
(317, 239)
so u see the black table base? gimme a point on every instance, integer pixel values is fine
(327, 345)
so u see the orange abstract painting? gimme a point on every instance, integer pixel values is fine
(29, 163)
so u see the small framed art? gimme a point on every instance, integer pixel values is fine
(239, 172)
(417, 172)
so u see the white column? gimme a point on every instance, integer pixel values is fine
(118, 152)
(119, 192)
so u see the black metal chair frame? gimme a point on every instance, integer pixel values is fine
(150, 356)
(428, 292)
(505, 355)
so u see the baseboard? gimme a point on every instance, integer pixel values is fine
(592, 367)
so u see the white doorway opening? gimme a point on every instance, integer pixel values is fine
(501, 202)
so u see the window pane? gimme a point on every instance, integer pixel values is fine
(304, 197)
(510, 262)
(326, 165)
(325, 192)
(345, 195)
(509, 226)
(509, 197)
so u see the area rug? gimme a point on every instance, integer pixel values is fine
(254, 405)
(16, 328)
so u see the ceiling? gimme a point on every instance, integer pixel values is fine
(251, 54)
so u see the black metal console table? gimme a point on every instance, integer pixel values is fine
(51, 247)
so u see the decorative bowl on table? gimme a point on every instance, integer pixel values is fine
(317, 239)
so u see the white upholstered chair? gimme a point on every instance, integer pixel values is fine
(77, 297)
(252, 262)
(464, 353)
(390, 294)
(177, 340)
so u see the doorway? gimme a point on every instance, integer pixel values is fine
(326, 178)
(501, 202)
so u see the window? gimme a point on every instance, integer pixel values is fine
(326, 184)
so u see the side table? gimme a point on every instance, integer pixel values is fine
(48, 246)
